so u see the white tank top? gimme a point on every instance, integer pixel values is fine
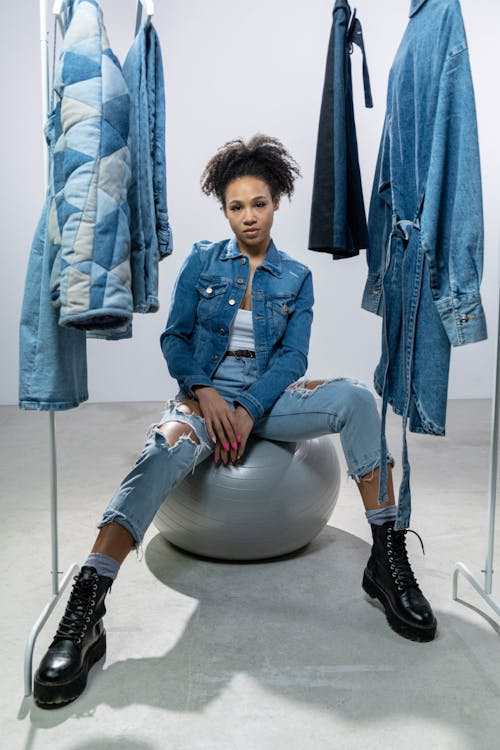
(241, 331)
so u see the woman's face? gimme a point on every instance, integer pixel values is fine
(249, 206)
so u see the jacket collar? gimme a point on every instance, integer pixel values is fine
(415, 5)
(272, 260)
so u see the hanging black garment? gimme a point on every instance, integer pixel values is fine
(338, 219)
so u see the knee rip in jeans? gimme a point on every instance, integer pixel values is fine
(306, 387)
(181, 417)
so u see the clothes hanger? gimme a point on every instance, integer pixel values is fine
(148, 6)
(149, 9)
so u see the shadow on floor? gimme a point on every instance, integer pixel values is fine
(299, 626)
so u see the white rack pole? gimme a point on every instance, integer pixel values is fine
(485, 591)
(74, 568)
(44, 65)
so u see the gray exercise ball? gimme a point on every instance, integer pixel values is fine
(276, 501)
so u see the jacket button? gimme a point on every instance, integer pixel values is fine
(209, 289)
(232, 301)
(243, 260)
(221, 330)
(240, 280)
(214, 356)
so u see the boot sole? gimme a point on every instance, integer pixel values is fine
(52, 695)
(412, 632)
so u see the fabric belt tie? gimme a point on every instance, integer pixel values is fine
(400, 228)
(355, 36)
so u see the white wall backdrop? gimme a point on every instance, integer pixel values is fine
(232, 69)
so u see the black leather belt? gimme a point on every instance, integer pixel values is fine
(240, 353)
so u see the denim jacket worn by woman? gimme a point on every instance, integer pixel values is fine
(425, 257)
(206, 296)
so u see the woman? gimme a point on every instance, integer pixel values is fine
(236, 340)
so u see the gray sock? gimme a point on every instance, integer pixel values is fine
(380, 515)
(105, 565)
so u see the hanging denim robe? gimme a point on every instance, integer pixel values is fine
(425, 224)
(338, 221)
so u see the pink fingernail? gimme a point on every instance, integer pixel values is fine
(226, 446)
(239, 437)
(216, 459)
(235, 445)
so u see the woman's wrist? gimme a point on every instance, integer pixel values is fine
(201, 391)
(241, 408)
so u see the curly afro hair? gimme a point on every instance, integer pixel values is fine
(263, 157)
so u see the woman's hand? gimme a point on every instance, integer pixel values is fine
(244, 424)
(228, 429)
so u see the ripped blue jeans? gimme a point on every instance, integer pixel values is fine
(342, 405)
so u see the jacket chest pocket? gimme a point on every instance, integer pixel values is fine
(279, 308)
(211, 291)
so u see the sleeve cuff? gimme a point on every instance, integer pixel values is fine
(463, 318)
(195, 380)
(253, 407)
(372, 294)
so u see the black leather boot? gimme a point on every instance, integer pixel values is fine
(79, 642)
(389, 578)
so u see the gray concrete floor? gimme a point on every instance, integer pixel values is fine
(286, 654)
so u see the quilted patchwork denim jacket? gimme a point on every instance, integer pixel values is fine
(89, 215)
(206, 296)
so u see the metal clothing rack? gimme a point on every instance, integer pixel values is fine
(485, 591)
(57, 588)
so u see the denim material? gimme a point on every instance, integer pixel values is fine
(338, 220)
(150, 230)
(52, 358)
(89, 216)
(425, 225)
(340, 405)
(206, 295)
(71, 283)
(80, 272)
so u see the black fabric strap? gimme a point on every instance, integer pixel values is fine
(355, 36)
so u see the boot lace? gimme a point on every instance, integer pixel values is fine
(79, 609)
(398, 558)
